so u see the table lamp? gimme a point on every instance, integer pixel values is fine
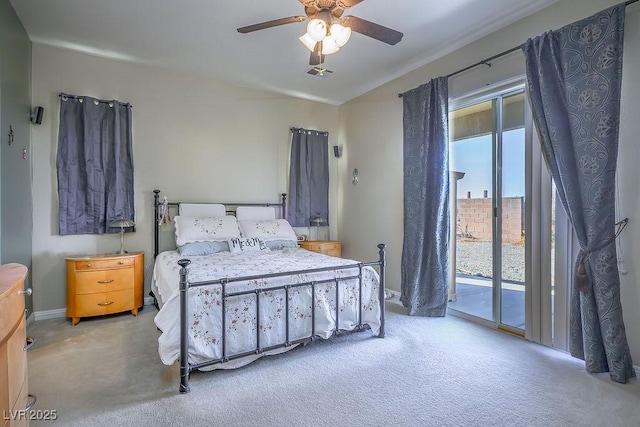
(122, 223)
(317, 220)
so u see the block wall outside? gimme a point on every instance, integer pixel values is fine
(474, 219)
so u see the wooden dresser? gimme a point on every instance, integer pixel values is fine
(14, 399)
(327, 247)
(104, 284)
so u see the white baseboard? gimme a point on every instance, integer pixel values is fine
(31, 318)
(50, 314)
(148, 300)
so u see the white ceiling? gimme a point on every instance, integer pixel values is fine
(200, 37)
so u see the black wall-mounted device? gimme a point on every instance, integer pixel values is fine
(36, 115)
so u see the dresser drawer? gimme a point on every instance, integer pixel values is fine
(90, 282)
(21, 404)
(327, 247)
(99, 264)
(321, 246)
(18, 357)
(336, 252)
(11, 309)
(104, 303)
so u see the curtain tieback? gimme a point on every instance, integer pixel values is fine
(581, 279)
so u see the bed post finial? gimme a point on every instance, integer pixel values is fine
(156, 238)
(383, 262)
(284, 205)
(184, 337)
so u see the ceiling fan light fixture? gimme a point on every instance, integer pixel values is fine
(317, 29)
(329, 46)
(308, 41)
(341, 34)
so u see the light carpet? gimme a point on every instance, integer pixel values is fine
(426, 372)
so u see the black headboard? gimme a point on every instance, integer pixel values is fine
(230, 208)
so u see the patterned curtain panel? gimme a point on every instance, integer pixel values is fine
(94, 165)
(574, 77)
(425, 251)
(308, 177)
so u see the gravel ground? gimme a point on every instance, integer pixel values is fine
(474, 259)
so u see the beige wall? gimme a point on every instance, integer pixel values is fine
(371, 130)
(194, 139)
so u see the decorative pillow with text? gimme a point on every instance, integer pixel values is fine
(246, 244)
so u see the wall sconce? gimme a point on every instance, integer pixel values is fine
(36, 115)
(122, 223)
(354, 178)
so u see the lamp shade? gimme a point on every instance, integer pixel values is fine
(317, 29)
(341, 34)
(329, 45)
(308, 41)
(121, 223)
(317, 220)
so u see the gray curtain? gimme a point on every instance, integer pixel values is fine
(308, 177)
(573, 77)
(94, 165)
(425, 252)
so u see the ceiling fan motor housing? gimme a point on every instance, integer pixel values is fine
(329, 8)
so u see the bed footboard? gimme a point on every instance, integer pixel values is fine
(185, 285)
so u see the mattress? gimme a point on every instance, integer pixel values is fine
(241, 320)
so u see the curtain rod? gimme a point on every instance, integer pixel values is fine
(319, 132)
(104, 101)
(506, 52)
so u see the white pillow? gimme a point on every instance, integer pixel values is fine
(201, 209)
(246, 244)
(248, 213)
(205, 229)
(275, 229)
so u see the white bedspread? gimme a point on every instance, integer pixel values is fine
(205, 302)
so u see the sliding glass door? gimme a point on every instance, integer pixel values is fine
(487, 146)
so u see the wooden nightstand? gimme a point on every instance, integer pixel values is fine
(104, 284)
(327, 247)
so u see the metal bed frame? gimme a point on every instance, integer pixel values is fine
(185, 285)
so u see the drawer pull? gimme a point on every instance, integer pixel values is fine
(121, 262)
(105, 281)
(27, 291)
(88, 264)
(31, 402)
(103, 304)
(30, 343)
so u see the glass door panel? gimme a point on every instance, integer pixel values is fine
(512, 248)
(471, 163)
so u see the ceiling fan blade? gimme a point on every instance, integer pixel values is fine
(316, 57)
(373, 30)
(269, 24)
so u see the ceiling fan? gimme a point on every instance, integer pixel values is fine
(328, 30)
